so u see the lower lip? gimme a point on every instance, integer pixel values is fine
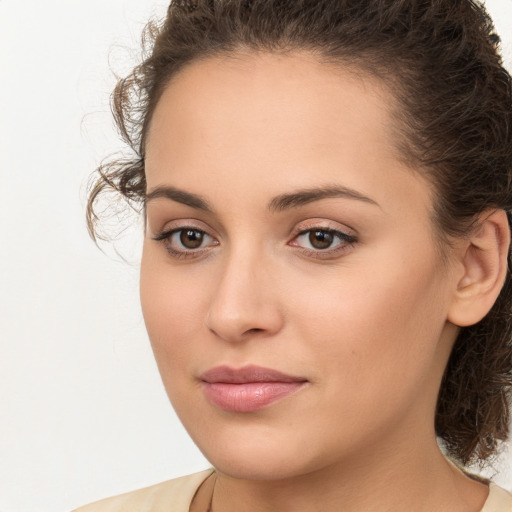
(250, 396)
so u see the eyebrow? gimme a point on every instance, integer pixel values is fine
(306, 196)
(278, 204)
(180, 196)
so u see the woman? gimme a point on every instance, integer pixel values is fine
(325, 275)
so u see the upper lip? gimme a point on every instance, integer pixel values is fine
(246, 374)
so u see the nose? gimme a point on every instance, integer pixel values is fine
(245, 302)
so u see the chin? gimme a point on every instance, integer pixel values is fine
(259, 455)
(261, 468)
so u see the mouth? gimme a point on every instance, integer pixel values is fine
(249, 388)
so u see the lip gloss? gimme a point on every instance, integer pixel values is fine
(247, 389)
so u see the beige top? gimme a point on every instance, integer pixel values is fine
(176, 496)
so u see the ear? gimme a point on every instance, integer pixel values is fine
(484, 259)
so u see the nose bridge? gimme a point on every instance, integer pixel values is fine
(244, 300)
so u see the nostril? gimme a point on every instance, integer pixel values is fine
(254, 330)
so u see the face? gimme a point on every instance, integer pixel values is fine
(291, 280)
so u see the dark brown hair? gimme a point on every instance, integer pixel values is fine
(440, 59)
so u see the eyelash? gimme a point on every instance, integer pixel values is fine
(345, 242)
(166, 238)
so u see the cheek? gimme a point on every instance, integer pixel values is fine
(370, 325)
(172, 305)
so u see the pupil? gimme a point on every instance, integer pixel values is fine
(191, 239)
(320, 239)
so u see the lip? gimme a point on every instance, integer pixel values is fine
(249, 388)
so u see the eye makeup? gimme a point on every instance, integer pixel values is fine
(315, 240)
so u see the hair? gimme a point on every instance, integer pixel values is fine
(440, 58)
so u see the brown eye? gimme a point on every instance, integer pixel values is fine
(321, 239)
(191, 238)
(323, 242)
(187, 242)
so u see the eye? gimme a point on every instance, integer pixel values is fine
(323, 240)
(319, 239)
(186, 241)
(189, 238)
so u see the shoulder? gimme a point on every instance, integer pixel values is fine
(170, 496)
(499, 500)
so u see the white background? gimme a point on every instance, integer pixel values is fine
(83, 414)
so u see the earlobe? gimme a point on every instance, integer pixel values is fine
(485, 264)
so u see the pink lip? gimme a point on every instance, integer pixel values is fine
(249, 388)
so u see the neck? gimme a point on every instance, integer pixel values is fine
(397, 469)
(422, 481)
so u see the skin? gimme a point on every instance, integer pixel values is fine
(366, 322)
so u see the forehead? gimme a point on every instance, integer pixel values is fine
(279, 118)
(241, 99)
